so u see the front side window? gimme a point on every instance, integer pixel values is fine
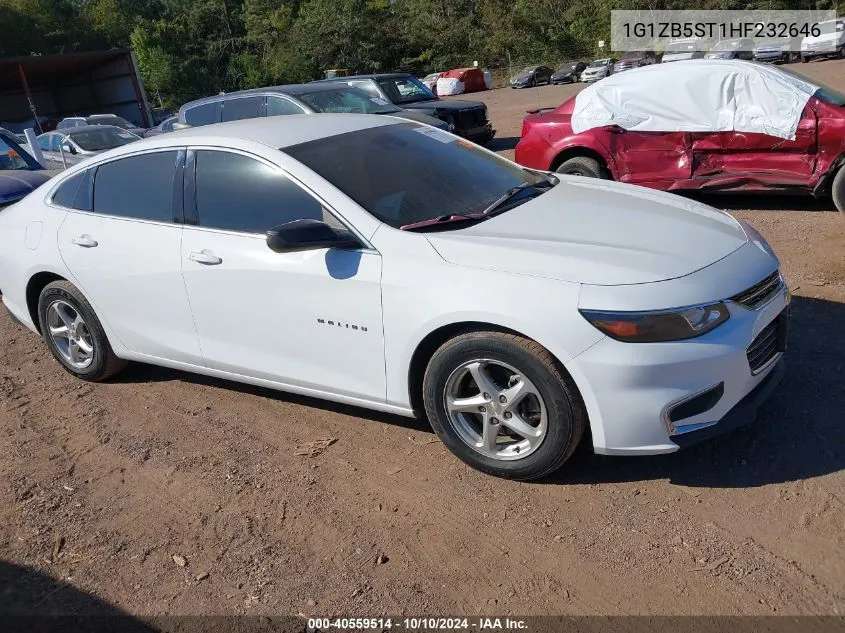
(278, 106)
(203, 114)
(101, 138)
(405, 90)
(167, 126)
(139, 187)
(243, 108)
(44, 142)
(405, 173)
(55, 143)
(238, 193)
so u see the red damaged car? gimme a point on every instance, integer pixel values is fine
(706, 125)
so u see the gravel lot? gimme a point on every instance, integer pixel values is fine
(102, 485)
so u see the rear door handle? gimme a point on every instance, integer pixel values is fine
(205, 257)
(85, 241)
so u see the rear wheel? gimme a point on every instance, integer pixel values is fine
(583, 166)
(837, 190)
(502, 404)
(73, 333)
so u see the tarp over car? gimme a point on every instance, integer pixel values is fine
(471, 78)
(696, 96)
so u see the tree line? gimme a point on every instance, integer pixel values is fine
(192, 48)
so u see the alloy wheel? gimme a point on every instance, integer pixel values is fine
(70, 334)
(495, 409)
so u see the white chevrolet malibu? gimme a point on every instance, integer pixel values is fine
(386, 264)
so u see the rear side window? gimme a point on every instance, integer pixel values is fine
(75, 192)
(238, 193)
(55, 143)
(244, 108)
(44, 143)
(204, 114)
(138, 187)
(277, 106)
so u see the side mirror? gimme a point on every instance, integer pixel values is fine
(306, 235)
(67, 148)
(178, 125)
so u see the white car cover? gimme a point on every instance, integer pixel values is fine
(702, 95)
(449, 86)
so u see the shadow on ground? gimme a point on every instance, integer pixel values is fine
(775, 201)
(502, 143)
(798, 433)
(35, 602)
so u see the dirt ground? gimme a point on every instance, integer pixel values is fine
(167, 493)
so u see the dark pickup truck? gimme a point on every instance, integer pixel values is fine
(465, 118)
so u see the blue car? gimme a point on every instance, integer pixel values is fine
(20, 173)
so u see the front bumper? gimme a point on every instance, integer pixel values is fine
(630, 389)
(768, 55)
(482, 134)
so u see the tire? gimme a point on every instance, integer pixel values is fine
(837, 190)
(553, 403)
(61, 304)
(804, 58)
(583, 166)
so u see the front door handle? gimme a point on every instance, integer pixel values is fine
(205, 257)
(85, 241)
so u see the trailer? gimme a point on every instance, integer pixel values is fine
(40, 90)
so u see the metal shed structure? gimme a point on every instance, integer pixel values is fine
(38, 90)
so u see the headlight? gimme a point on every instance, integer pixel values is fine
(661, 325)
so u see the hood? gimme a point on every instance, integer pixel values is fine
(596, 232)
(592, 70)
(676, 57)
(565, 72)
(522, 77)
(16, 183)
(419, 117)
(442, 105)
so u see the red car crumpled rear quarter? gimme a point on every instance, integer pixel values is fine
(714, 161)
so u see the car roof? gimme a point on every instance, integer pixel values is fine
(82, 128)
(288, 89)
(276, 132)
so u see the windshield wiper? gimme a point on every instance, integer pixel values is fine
(443, 219)
(513, 192)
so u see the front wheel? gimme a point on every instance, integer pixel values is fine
(74, 335)
(583, 166)
(502, 404)
(837, 190)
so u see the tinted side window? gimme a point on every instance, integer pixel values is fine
(245, 108)
(75, 192)
(238, 193)
(167, 126)
(55, 143)
(204, 114)
(137, 187)
(44, 143)
(277, 106)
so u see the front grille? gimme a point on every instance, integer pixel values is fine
(470, 118)
(761, 292)
(767, 344)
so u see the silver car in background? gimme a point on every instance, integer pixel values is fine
(67, 147)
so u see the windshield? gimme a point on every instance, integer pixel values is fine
(110, 120)
(825, 93)
(633, 55)
(345, 100)
(405, 90)
(599, 63)
(567, 67)
(406, 173)
(102, 139)
(13, 156)
(726, 45)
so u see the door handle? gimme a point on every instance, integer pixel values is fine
(205, 257)
(85, 241)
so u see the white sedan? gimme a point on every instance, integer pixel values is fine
(383, 263)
